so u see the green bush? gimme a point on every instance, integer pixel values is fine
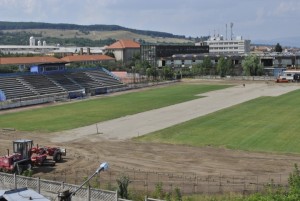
(123, 183)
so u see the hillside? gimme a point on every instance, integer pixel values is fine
(17, 33)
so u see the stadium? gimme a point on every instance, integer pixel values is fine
(201, 136)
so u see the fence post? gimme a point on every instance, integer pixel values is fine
(75, 177)
(196, 186)
(147, 181)
(244, 184)
(220, 183)
(38, 185)
(183, 183)
(208, 184)
(256, 183)
(15, 180)
(88, 193)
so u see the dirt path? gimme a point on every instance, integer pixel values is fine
(150, 121)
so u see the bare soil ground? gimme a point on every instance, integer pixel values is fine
(85, 151)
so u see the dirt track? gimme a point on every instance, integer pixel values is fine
(146, 122)
(123, 154)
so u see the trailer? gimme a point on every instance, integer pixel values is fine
(288, 76)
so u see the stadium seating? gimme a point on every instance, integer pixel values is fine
(14, 88)
(73, 83)
(103, 78)
(42, 85)
(82, 79)
(65, 82)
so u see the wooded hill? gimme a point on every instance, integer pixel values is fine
(42, 25)
(18, 33)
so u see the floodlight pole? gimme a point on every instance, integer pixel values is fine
(102, 167)
(67, 196)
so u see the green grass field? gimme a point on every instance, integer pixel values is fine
(269, 124)
(265, 124)
(82, 113)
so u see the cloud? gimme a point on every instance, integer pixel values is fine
(255, 18)
(287, 7)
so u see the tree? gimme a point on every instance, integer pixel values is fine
(141, 66)
(167, 73)
(152, 73)
(206, 66)
(278, 48)
(252, 66)
(222, 67)
(196, 69)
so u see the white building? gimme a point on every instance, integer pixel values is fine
(219, 45)
(25, 49)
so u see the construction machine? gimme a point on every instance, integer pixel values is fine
(25, 155)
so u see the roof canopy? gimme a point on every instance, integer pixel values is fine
(29, 60)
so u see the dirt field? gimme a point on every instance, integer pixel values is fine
(86, 148)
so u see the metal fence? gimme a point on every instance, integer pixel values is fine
(245, 78)
(187, 182)
(50, 189)
(34, 100)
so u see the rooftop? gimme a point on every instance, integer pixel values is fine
(77, 58)
(29, 60)
(122, 44)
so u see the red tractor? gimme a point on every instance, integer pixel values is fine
(25, 156)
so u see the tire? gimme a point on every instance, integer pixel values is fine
(57, 157)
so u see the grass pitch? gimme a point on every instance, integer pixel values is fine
(83, 113)
(269, 124)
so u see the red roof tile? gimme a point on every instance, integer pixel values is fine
(29, 60)
(78, 58)
(122, 44)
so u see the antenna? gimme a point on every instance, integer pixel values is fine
(231, 26)
(226, 31)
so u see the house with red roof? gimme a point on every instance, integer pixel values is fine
(124, 50)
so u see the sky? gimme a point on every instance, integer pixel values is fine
(252, 19)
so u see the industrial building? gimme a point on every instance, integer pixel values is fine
(220, 45)
(42, 48)
(154, 54)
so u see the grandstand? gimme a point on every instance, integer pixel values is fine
(36, 88)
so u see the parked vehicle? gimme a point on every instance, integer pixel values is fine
(297, 77)
(25, 156)
(288, 76)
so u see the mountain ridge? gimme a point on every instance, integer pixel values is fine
(284, 41)
(5, 25)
